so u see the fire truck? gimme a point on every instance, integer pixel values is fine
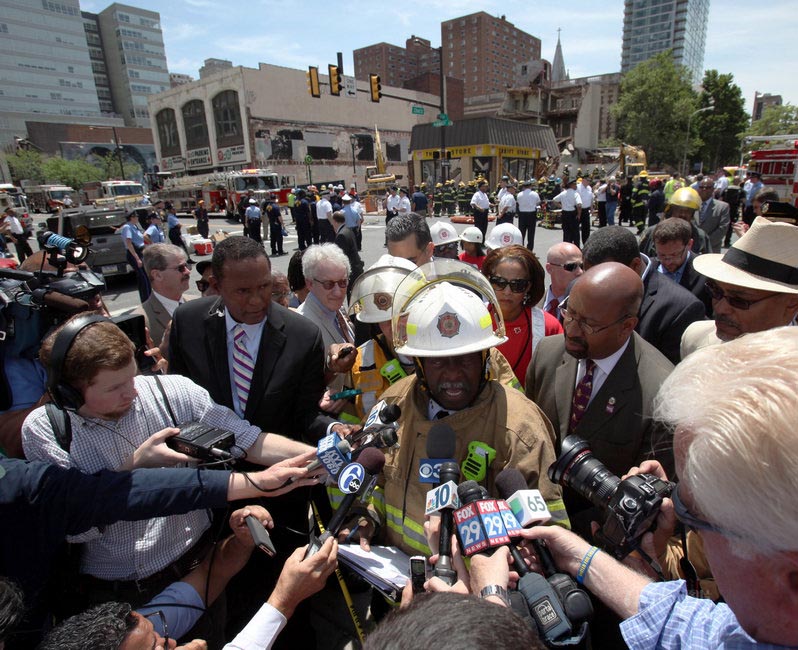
(118, 194)
(48, 198)
(222, 191)
(778, 167)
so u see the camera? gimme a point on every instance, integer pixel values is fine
(201, 441)
(631, 504)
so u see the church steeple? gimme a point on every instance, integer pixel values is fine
(558, 66)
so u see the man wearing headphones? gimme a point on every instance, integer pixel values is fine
(120, 420)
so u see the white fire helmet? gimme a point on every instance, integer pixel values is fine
(372, 292)
(444, 320)
(443, 233)
(505, 234)
(472, 234)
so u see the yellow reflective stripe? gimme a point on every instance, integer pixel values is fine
(559, 517)
(412, 533)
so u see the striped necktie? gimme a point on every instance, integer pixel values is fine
(582, 395)
(243, 367)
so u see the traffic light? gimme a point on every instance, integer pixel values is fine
(374, 86)
(335, 79)
(313, 81)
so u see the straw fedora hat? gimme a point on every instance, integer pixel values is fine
(765, 258)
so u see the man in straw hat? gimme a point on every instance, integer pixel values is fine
(754, 285)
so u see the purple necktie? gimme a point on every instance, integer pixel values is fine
(582, 395)
(243, 367)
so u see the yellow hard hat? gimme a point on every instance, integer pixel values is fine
(462, 184)
(643, 174)
(438, 185)
(686, 197)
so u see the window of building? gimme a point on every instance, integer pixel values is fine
(3, 28)
(167, 132)
(227, 116)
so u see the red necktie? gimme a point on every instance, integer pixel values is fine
(582, 395)
(552, 307)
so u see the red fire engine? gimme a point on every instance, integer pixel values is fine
(778, 167)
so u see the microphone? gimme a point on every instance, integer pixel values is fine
(59, 301)
(333, 453)
(527, 505)
(441, 442)
(383, 439)
(357, 480)
(449, 475)
(381, 416)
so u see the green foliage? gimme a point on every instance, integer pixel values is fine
(109, 164)
(719, 128)
(776, 120)
(73, 173)
(655, 102)
(25, 164)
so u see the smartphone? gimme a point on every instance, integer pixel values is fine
(418, 573)
(346, 394)
(133, 326)
(260, 536)
(345, 352)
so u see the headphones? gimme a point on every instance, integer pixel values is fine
(64, 396)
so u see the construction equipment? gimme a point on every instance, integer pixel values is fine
(377, 179)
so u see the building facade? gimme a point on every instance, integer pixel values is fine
(653, 26)
(395, 64)
(763, 101)
(232, 120)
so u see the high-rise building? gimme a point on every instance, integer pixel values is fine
(214, 65)
(763, 101)
(135, 58)
(483, 50)
(395, 64)
(653, 26)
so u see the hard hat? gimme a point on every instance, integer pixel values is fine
(253, 202)
(438, 185)
(200, 202)
(339, 187)
(505, 234)
(446, 320)
(443, 233)
(323, 188)
(462, 184)
(643, 174)
(372, 292)
(686, 197)
(472, 234)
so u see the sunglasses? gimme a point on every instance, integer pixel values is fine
(742, 304)
(516, 286)
(329, 284)
(203, 285)
(690, 520)
(569, 266)
(180, 267)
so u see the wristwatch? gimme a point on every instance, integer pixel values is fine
(496, 590)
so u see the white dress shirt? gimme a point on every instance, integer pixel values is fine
(602, 370)
(392, 202)
(404, 205)
(586, 194)
(252, 335)
(168, 304)
(480, 200)
(260, 632)
(528, 200)
(568, 200)
(324, 210)
(507, 204)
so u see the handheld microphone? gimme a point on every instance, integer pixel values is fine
(484, 524)
(357, 479)
(381, 416)
(383, 439)
(449, 475)
(333, 453)
(441, 442)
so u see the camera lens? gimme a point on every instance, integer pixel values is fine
(578, 468)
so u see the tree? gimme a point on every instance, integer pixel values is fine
(25, 164)
(109, 164)
(653, 108)
(775, 120)
(719, 128)
(74, 173)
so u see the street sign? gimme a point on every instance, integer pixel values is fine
(308, 159)
(417, 110)
(446, 122)
(350, 87)
(443, 117)
(445, 163)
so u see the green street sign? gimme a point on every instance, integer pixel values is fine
(308, 159)
(446, 122)
(417, 110)
(443, 117)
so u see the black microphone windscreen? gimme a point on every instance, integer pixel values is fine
(441, 441)
(509, 481)
(469, 491)
(373, 460)
(390, 413)
(66, 304)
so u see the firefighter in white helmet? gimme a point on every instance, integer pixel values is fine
(444, 238)
(473, 250)
(444, 324)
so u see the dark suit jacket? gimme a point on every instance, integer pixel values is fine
(694, 282)
(289, 371)
(715, 223)
(346, 241)
(666, 311)
(618, 423)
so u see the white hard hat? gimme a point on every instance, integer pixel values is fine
(505, 234)
(443, 233)
(472, 234)
(444, 320)
(372, 293)
(253, 201)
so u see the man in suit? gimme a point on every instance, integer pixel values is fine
(563, 264)
(753, 285)
(598, 380)
(667, 309)
(673, 241)
(713, 215)
(169, 274)
(346, 240)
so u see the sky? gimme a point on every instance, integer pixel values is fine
(309, 32)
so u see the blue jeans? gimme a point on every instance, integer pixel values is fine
(611, 207)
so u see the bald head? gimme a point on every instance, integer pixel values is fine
(605, 299)
(559, 259)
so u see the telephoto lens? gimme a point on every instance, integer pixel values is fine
(578, 468)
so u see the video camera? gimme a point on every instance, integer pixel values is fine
(631, 504)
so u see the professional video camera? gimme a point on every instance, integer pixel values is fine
(631, 504)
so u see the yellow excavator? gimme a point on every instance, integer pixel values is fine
(377, 180)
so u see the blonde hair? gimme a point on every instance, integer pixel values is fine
(735, 405)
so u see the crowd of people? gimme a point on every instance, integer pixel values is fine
(669, 357)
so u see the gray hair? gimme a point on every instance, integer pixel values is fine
(156, 257)
(315, 255)
(734, 410)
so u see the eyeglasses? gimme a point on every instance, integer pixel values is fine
(516, 286)
(446, 247)
(672, 256)
(329, 284)
(180, 267)
(688, 518)
(719, 294)
(165, 629)
(570, 266)
(203, 285)
(706, 187)
(568, 317)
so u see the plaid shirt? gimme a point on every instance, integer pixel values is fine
(134, 549)
(669, 618)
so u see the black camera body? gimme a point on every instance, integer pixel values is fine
(201, 441)
(631, 505)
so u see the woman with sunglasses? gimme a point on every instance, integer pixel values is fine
(517, 277)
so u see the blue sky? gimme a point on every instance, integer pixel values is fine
(298, 34)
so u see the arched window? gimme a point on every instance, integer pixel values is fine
(227, 118)
(195, 124)
(167, 132)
